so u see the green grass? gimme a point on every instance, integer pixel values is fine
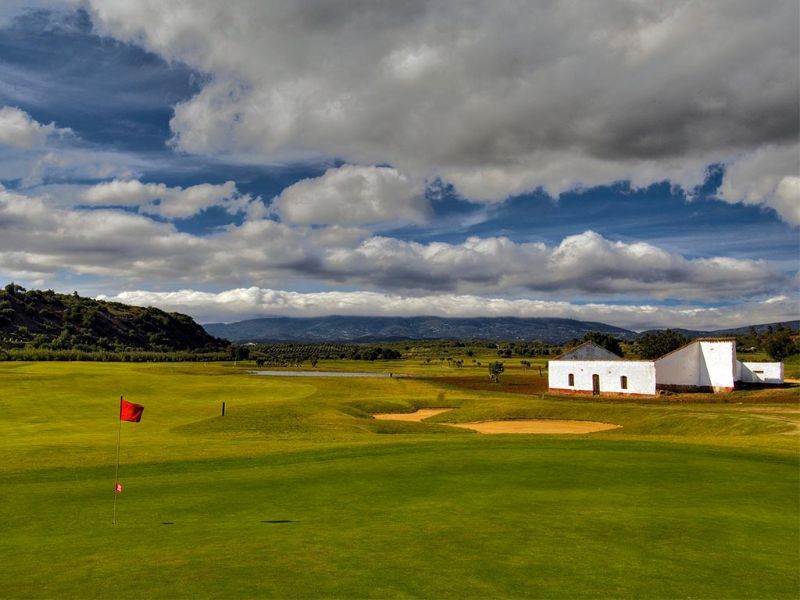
(791, 366)
(685, 500)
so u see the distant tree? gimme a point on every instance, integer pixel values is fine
(657, 343)
(780, 345)
(239, 352)
(605, 340)
(495, 369)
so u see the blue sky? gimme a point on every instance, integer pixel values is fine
(301, 162)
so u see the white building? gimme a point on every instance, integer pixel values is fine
(703, 365)
(590, 368)
(754, 372)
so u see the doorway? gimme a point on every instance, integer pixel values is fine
(595, 385)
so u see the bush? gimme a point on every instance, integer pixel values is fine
(659, 343)
(495, 368)
(779, 345)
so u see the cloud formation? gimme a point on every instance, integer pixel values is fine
(495, 97)
(19, 130)
(132, 247)
(167, 202)
(239, 303)
(354, 195)
(583, 263)
(769, 177)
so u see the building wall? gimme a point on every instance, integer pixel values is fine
(641, 376)
(701, 365)
(762, 372)
(717, 365)
(680, 367)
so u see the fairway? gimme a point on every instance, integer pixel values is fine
(299, 492)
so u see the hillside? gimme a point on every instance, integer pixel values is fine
(373, 329)
(45, 319)
(737, 331)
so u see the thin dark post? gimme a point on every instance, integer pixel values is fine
(223, 409)
(116, 472)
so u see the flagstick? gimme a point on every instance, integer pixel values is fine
(116, 473)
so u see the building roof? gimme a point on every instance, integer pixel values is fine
(588, 351)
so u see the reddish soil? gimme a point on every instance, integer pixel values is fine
(513, 384)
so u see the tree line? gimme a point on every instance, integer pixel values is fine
(286, 354)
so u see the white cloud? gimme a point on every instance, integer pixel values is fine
(168, 202)
(354, 195)
(584, 263)
(67, 163)
(37, 236)
(19, 130)
(769, 177)
(497, 97)
(236, 304)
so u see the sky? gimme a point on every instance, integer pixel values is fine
(636, 164)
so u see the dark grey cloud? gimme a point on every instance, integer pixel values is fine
(496, 97)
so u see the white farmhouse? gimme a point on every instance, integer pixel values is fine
(590, 368)
(703, 365)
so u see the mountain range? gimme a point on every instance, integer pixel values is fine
(387, 329)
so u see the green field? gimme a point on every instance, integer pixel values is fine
(298, 493)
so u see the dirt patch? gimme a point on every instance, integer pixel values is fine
(513, 384)
(536, 426)
(422, 413)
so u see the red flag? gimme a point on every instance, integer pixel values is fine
(128, 411)
(118, 488)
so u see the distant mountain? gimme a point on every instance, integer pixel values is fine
(690, 333)
(64, 322)
(386, 329)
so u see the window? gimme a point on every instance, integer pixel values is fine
(571, 379)
(623, 382)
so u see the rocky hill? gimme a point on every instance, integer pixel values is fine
(45, 319)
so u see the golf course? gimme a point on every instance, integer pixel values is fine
(299, 492)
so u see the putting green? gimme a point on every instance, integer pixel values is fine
(298, 492)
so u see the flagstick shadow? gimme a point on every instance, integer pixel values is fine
(278, 521)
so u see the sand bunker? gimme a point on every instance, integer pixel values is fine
(509, 426)
(536, 426)
(419, 415)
